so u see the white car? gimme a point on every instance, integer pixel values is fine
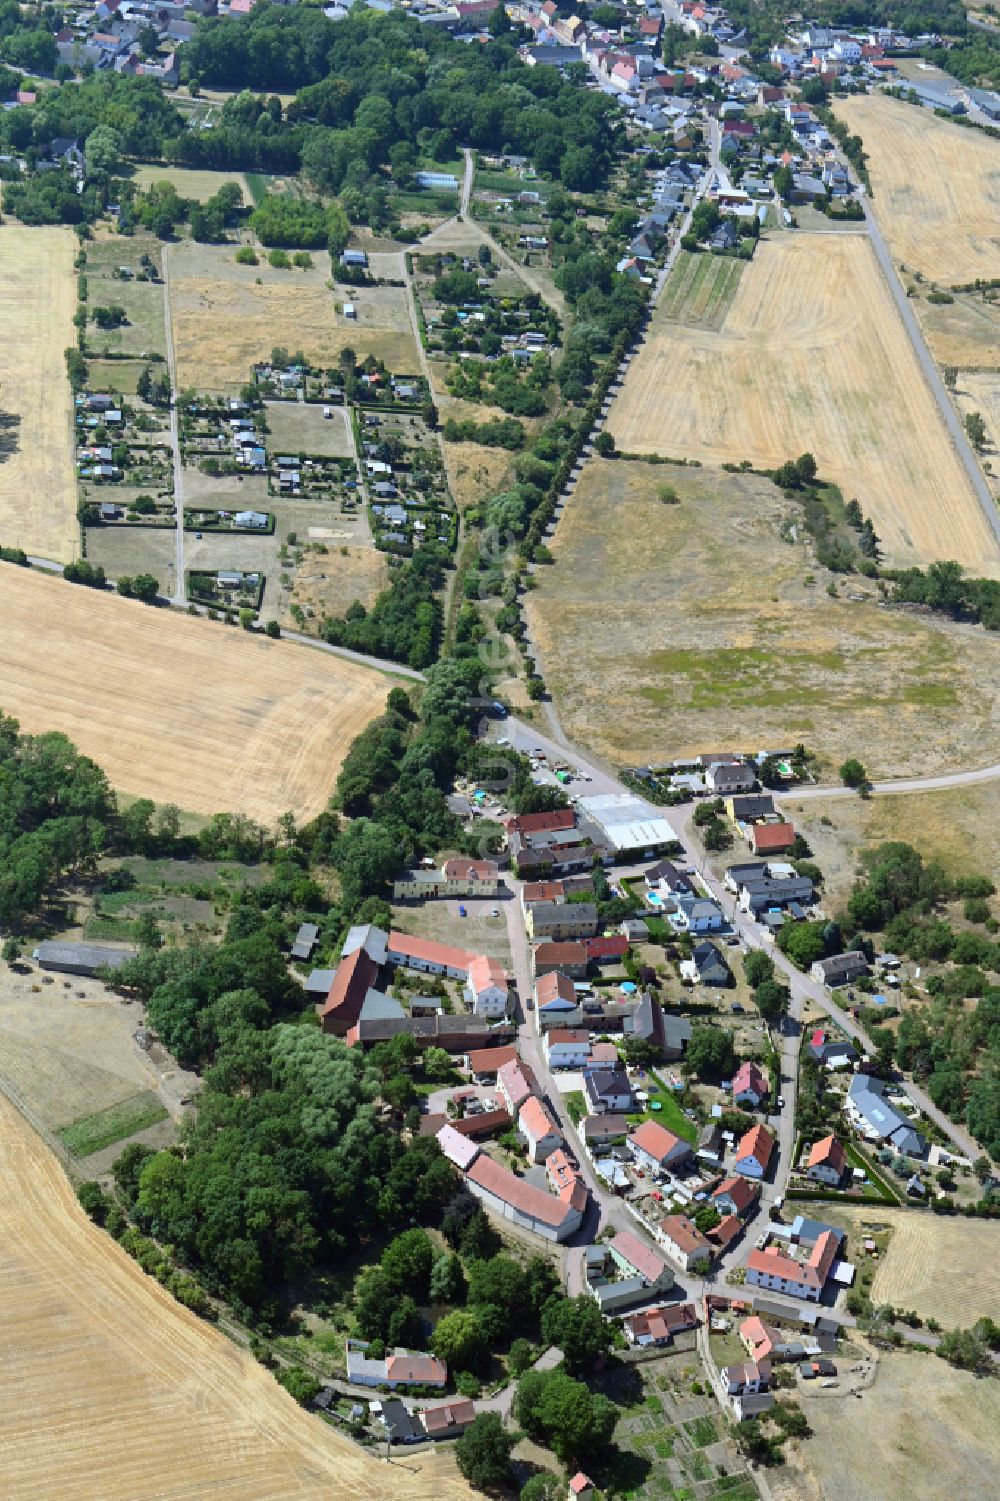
(504, 741)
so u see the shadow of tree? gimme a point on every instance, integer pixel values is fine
(10, 425)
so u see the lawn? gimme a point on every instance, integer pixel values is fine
(670, 1115)
(91, 1133)
(576, 1105)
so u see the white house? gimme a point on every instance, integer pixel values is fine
(539, 1129)
(681, 1239)
(486, 987)
(655, 1149)
(753, 1152)
(567, 1047)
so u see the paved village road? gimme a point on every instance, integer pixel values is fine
(527, 737)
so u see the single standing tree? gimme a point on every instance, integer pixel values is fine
(483, 1452)
(853, 774)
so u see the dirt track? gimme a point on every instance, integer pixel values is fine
(113, 1392)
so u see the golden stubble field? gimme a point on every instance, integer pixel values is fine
(179, 709)
(665, 630)
(936, 188)
(812, 355)
(37, 474)
(110, 1389)
(224, 322)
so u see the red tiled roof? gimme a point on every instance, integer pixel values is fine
(458, 1413)
(419, 1369)
(739, 1190)
(726, 1231)
(535, 1118)
(503, 1184)
(484, 972)
(828, 1153)
(542, 823)
(354, 978)
(571, 953)
(568, 1034)
(465, 870)
(542, 891)
(429, 951)
(749, 1076)
(517, 1081)
(684, 1233)
(654, 1139)
(647, 1262)
(766, 838)
(757, 1143)
(615, 946)
(490, 1060)
(554, 986)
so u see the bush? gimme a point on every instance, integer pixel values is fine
(247, 256)
(279, 260)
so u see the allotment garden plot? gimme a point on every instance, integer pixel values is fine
(228, 317)
(812, 356)
(37, 301)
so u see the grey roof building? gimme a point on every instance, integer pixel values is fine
(305, 940)
(879, 1118)
(81, 958)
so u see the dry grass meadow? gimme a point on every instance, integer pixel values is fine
(667, 629)
(327, 583)
(178, 709)
(959, 826)
(812, 355)
(936, 188)
(112, 1389)
(190, 182)
(37, 475)
(923, 1431)
(224, 322)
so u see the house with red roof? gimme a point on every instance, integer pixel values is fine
(681, 1239)
(449, 1419)
(770, 838)
(553, 1216)
(536, 1123)
(753, 1152)
(554, 992)
(486, 987)
(635, 1258)
(565, 1179)
(401, 1368)
(606, 950)
(516, 1081)
(570, 958)
(657, 1326)
(485, 1063)
(735, 1196)
(750, 1085)
(655, 1149)
(581, 1487)
(567, 1047)
(781, 1271)
(827, 1162)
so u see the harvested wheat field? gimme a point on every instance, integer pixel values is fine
(979, 391)
(110, 1389)
(179, 709)
(728, 636)
(37, 475)
(936, 188)
(943, 1268)
(223, 322)
(813, 356)
(923, 1431)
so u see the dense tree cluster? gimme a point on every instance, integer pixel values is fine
(57, 815)
(945, 588)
